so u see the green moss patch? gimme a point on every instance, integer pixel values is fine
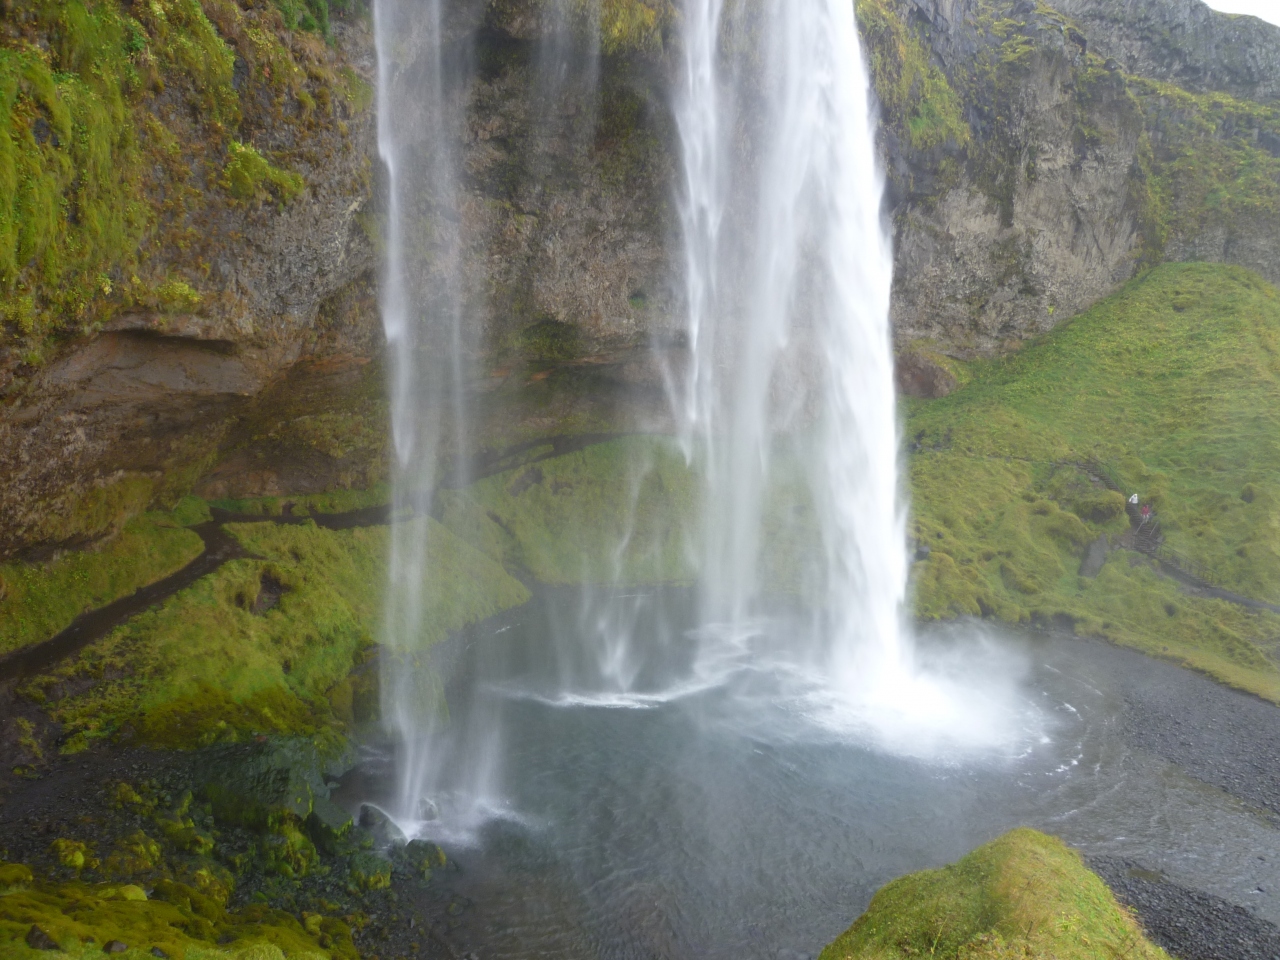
(1175, 384)
(72, 162)
(184, 923)
(254, 648)
(334, 501)
(613, 512)
(918, 101)
(248, 175)
(1024, 895)
(627, 26)
(37, 600)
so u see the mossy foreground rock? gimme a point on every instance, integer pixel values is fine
(1024, 895)
(256, 784)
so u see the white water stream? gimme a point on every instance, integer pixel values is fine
(423, 75)
(787, 271)
(788, 268)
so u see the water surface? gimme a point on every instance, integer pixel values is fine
(718, 811)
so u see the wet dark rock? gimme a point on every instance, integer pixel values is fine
(381, 826)
(427, 810)
(270, 590)
(1184, 42)
(328, 824)
(115, 946)
(921, 376)
(38, 939)
(1094, 557)
(157, 952)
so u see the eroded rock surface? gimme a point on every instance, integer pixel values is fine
(1031, 170)
(1184, 42)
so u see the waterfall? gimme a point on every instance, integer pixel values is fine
(783, 398)
(787, 276)
(446, 754)
(423, 77)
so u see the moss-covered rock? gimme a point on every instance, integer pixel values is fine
(265, 781)
(1024, 894)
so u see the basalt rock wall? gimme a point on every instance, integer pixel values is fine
(1040, 157)
(1184, 42)
(1036, 159)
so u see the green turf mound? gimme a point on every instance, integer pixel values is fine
(1023, 895)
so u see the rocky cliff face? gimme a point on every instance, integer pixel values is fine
(1037, 158)
(1184, 42)
(247, 221)
(1072, 169)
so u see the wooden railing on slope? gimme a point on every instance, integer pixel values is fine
(1147, 535)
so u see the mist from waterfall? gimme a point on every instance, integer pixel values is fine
(788, 269)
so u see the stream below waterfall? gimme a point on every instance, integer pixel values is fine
(726, 816)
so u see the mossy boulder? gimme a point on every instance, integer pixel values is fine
(266, 781)
(369, 871)
(1024, 895)
(423, 857)
(14, 877)
(328, 824)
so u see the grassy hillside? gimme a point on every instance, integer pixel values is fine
(1174, 383)
(1023, 895)
(37, 600)
(265, 644)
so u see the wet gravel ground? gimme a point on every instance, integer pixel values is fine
(1189, 924)
(1224, 737)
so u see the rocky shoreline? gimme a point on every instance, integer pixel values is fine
(1190, 924)
(1229, 740)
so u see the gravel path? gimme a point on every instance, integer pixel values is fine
(1189, 924)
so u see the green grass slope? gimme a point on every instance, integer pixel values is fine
(215, 663)
(1174, 383)
(37, 600)
(1024, 895)
(614, 512)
